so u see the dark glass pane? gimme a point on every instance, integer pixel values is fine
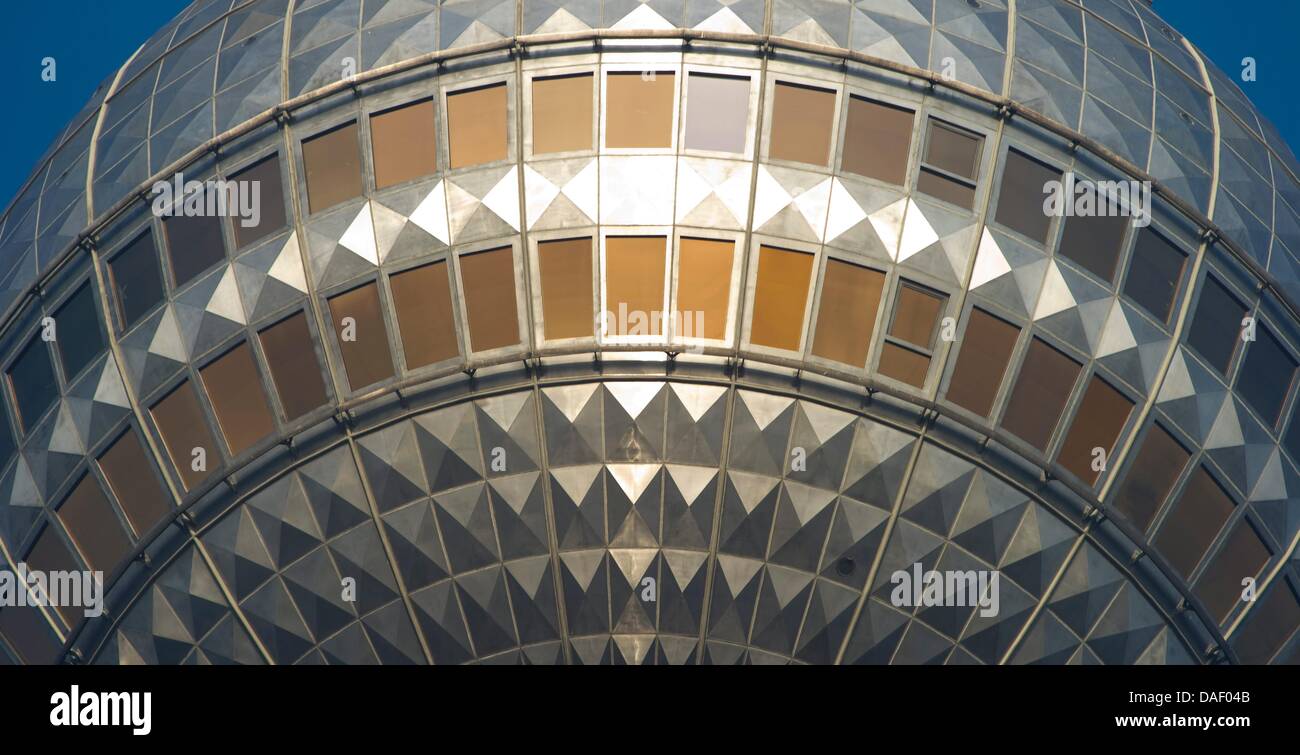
(1153, 273)
(34, 386)
(846, 315)
(567, 310)
(94, 526)
(942, 187)
(358, 322)
(877, 140)
(1266, 376)
(77, 333)
(1043, 387)
(134, 484)
(1020, 199)
(184, 430)
(422, 301)
(30, 635)
(1194, 522)
(403, 143)
(51, 554)
(294, 366)
(1270, 624)
(802, 119)
(6, 440)
(1094, 241)
(953, 150)
(488, 282)
(238, 399)
(1097, 424)
(903, 364)
(562, 113)
(476, 122)
(270, 194)
(136, 280)
(1242, 556)
(915, 315)
(985, 353)
(332, 162)
(193, 245)
(1216, 327)
(717, 112)
(1152, 475)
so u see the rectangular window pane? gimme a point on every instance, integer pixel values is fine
(1097, 424)
(488, 280)
(717, 112)
(1094, 241)
(358, 322)
(904, 364)
(183, 428)
(93, 525)
(235, 390)
(1216, 327)
(941, 187)
(1270, 624)
(131, 477)
(294, 366)
(1266, 375)
(1020, 198)
(846, 314)
(704, 286)
(952, 149)
(1154, 471)
(1153, 273)
(422, 300)
(1194, 522)
(985, 353)
(1044, 385)
(51, 554)
(639, 109)
(193, 245)
(634, 285)
(877, 140)
(915, 315)
(136, 280)
(802, 120)
(333, 165)
(79, 338)
(1242, 556)
(562, 113)
(476, 122)
(270, 194)
(567, 310)
(33, 383)
(30, 635)
(403, 143)
(780, 297)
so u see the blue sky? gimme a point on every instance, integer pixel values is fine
(89, 38)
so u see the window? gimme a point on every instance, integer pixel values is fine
(476, 124)
(358, 321)
(1266, 376)
(1020, 198)
(634, 285)
(235, 389)
(32, 379)
(50, 554)
(93, 525)
(422, 300)
(639, 109)
(905, 354)
(1153, 274)
(131, 477)
(1216, 327)
(79, 339)
(802, 120)
(717, 112)
(565, 269)
(294, 366)
(1152, 475)
(1242, 555)
(985, 353)
(704, 286)
(1094, 241)
(780, 297)
(562, 113)
(877, 140)
(950, 164)
(266, 174)
(488, 280)
(185, 431)
(29, 634)
(193, 245)
(846, 315)
(403, 143)
(1194, 522)
(1043, 387)
(332, 162)
(1271, 623)
(136, 280)
(1097, 424)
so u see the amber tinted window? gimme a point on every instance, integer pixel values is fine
(634, 285)
(93, 525)
(704, 286)
(562, 113)
(333, 165)
(1094, 241)
(488, 280)
(193, 245)
(78, 335)
(183, 428)
(1266, 375)
(780, 297)
(136, 280)
(1242, 556)
(1271, 623)
(362, 336)
(476, 122)
(717, 112)
(846, 314)
(802, 119)
(639, 109)
(567, 310)
(51, 554)
(270, 195)
(235, 390)
(877, 139)
(1152, 475)
(403, 143)
(1153, 273)
(294, 366)
(902, 363)
(1020, 199)
(32, 380)
(1194, 522)
(915, 315)
(132, 480)
(1042, 388)
(422, 300)
(950, 164)
(1216, 327)
(985, 353)
(1097, 424)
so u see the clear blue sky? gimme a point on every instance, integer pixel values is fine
(89, 38)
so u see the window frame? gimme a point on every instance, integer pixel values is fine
(530, 75)
(638, 63)
(777, 76)
(751, 105)
(944, 120)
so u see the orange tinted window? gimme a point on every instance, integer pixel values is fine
(780, 297)
(562, 111)
(476, 122)
(403, 143)
(846, 316)
(567, 310)
(639, 109)
(422, 300)
(362, 337)
(704, 286)
(235, 389)
(634, 285)
(294, 366)
(488, 280)
(802, 119)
